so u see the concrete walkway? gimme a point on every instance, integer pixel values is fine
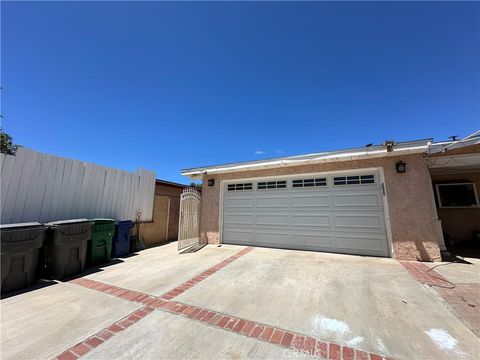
(41, 324)
(231, 302)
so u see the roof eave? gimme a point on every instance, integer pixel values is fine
(286, 162)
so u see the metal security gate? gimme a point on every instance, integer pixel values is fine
(188, 227)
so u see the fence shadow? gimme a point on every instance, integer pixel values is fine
(93, 270)
(43, 283)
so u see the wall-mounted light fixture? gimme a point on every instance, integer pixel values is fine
(211, 182)
(401, 167)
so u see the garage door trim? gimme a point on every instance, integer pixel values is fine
(378, 170)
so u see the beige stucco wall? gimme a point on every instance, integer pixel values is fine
(164, 226)
(409, 198)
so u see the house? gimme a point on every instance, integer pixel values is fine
(166, 207)
(379, 200)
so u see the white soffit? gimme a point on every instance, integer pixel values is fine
(456, 161)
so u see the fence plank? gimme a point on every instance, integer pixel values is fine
(7, 171)
(2, 161)
(77, 186)
(37, 196)
(49, 189)
(72, 189)
(29, 207)
(23, 185)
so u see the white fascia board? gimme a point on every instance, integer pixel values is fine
(312, 159)
(446, 146)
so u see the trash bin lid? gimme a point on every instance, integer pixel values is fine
(103, 221)
(67, 222)
(20, 225)
(124, 222)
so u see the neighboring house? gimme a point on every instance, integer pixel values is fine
(166, 207)
(376, 200)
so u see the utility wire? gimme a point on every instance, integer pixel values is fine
(461, 140)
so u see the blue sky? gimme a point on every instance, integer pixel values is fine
(166, 86)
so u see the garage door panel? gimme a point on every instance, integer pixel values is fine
(270, 202)
(273, 219)
(235, 219)
(239, 203)
(359, 221)
(314, 241)
(273, 238)
(239, 236)
(311, 220)
(370, 243)
(357, 200)
(310, 201)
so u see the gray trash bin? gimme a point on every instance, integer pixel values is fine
(66, 247)
(21, 254)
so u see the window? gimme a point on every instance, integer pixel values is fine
(367, 179)
(272, 185)
(309, 182)
(457, 195)
(354, 180)
(235, 187)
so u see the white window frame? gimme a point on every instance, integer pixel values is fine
(243, 185)
(437, 188)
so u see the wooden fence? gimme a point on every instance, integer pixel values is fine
(41, 187)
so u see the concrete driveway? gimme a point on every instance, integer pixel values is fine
(233, 302)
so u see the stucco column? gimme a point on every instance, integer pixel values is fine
(437, 222)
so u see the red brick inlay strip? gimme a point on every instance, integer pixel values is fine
(192, 282)
(423, 274)
(93, 341)
(277, 336)
(119, 292)
(281, 337)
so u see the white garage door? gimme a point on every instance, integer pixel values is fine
(334, 213)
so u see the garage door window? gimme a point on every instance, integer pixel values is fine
(309, 182)
(236, 187)
(272, 185)
(354, 180)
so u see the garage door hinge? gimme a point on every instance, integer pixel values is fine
(383, 189)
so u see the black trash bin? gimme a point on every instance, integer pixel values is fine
(21, 247)
(66, 247)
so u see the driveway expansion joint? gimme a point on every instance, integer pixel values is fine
(281, 337)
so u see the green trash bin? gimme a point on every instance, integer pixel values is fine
(100, 246)
(21, 254)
